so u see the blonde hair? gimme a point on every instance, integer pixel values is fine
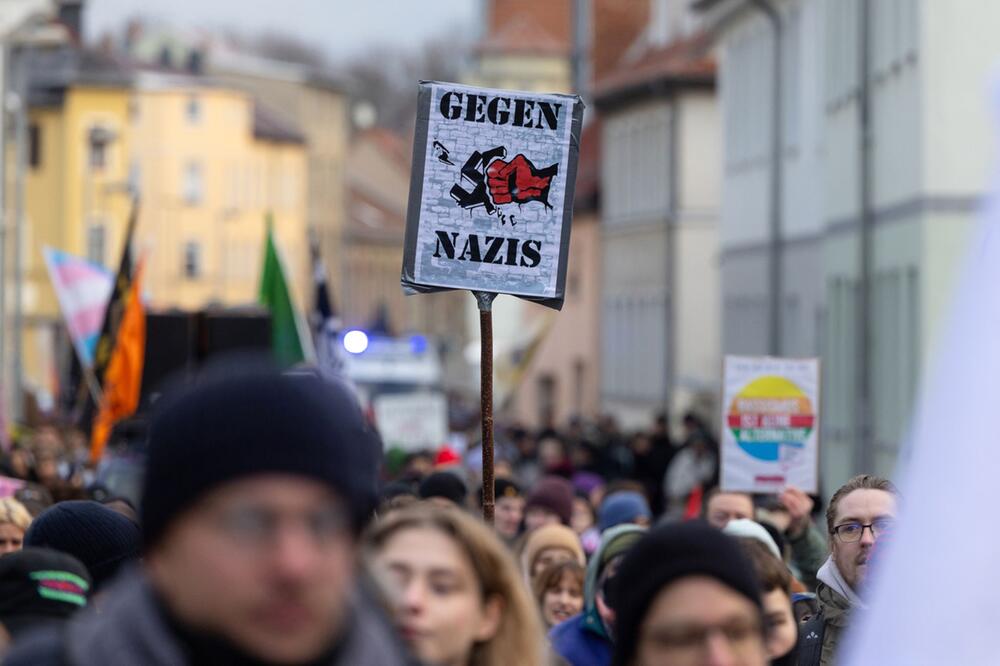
(519, 638)
(13, 512)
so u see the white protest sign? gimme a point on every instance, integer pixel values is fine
(770, 424)
(491, 191)
(412, 421)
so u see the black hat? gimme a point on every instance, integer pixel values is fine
(102, 539)
(446, 485)
(235, 425)
(40, 586)
(506, 488)
(665, 555)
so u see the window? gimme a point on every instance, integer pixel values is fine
(34, 146)
(192, 260)
(193, 109)
(96, 240)
(98, 140)
(193, 183)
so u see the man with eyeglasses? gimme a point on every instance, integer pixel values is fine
(256, 489)
(860, 514)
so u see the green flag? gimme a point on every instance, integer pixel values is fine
(275, 296)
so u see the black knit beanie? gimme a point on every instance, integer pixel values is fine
(663, 556)
(446, 485)
(228, 428)
(103, 539)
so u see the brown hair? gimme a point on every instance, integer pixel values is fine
(551, 577)
(519, 638)
(860, 482)
(772, 573)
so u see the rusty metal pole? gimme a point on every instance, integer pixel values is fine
(485, 300)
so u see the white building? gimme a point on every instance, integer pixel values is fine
(660, 185)
(923, 99)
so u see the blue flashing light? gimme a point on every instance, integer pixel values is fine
(356, 342)
(418, 344)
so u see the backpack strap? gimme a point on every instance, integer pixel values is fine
(811, 634)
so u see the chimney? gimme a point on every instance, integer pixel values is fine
(71, 16)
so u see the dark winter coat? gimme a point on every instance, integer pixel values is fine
(131, 629)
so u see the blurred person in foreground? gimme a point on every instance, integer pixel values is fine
(588, 639)
(40, 588)
(861, 512)
(257, 487)
(687, 595)
(14, 522)
(559, 592)
(457, 595)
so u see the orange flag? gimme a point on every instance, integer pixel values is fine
(123, 378)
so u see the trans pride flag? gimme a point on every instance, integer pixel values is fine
(83, 289)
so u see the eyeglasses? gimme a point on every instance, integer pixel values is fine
(852, 532)
(741, 634)
(254, 527)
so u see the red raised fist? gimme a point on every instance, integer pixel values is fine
(518, 181)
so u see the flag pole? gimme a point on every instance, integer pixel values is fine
(485, 300)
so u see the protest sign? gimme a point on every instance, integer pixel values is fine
(770, 424)
(491, 191)
(412, 421)
(490, 208)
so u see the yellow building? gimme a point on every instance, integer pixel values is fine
(208, 166)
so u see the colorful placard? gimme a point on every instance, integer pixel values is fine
(770, 424)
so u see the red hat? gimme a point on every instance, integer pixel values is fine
(446, 456)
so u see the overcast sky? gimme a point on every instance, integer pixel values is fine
(342, 27)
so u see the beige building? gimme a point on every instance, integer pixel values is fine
(319, 108)
(659, 211)
(208, 164)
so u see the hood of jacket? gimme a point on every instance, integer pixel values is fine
(835, 595)
(592, 618)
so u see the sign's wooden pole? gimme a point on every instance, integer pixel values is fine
(486, 392)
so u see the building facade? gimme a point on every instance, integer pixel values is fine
(883, 164)
(660, 197)
(207, 164)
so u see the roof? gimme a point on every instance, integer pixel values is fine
(686, 61)
(52, 70)
(528, 27)
(524, 36)
(270, 126)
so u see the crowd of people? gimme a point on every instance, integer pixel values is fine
(272, 529)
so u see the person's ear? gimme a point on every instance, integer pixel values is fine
(492, 615)
(606, 612)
